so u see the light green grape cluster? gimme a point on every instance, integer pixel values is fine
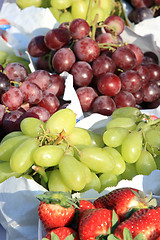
(63, 157)
(67, 10)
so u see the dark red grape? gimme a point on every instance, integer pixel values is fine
(37, 112)
(154, 72)
(152, 55)
(31, 92)
(86, 49)
(82, 73)
(141, 14)
(49, 102)
(63, 60)
(139, 96)
(104, 105)
(86, 96)
(41, 78)
(79, 28)
(57, 85)
(144, 73)
(109, 84)
(115, 24)
(4, 83)
(37, 47)
(124, 58)
(124, 99)
(130, 80)
(151, 92)
(12, 99)
(137, 51)
(103, 64)
(56, 38)
(12, 120)
(157, 2)
(43, 63)
(141, 3)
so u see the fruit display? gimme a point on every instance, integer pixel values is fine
(107, 72)
(123, 213)
(143, 9)
(62, 157)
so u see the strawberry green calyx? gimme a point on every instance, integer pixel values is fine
(64, 199)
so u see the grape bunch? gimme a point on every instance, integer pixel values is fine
(143, 9)
(107, 72)
(63, 157)
(25, 94)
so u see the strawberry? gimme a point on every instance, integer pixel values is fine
(56, 209)
(94, 223)
(146, 221)
(124, 201)
(85, 204)
(62, 233)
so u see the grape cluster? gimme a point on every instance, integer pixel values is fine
(22, 94)
(143, 9)
(107, 72)
(64, 157)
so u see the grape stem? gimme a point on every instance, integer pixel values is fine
(41, 172)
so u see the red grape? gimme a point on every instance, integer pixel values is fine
(49, 102)
(139, 96)
(124, 99)
(31, 92)
(103, 64)
(37, 112)
(144, 73)
(109, 84)
(86, 96)
(37, 47)
(2, 113)
(86, 49)
(41, 78)
(154, 71)
(16, 72)
(115, 24)
(56, 38)
(124, 58)
(130, 80)
(63, 60)
(82, 73)
(104, 105)
(57, 85)
(12, 99)
(79, 28)
(137, 51)
(4, 83)
(151, 92)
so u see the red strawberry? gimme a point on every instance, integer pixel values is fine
(62, 233)
(56, 209)
(94, 222)
(85, 204)
(124, 201)
(146, 221)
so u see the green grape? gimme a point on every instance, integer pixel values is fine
(47, 155)
(72, 172)
(97, 159)
(145, 163)
(107, 5)
(114, 137)
(88, 173)
(21, 159)
(152, 139)
(79, 9)
(8, 146)
(45, 3)
(62, 120)
(143, 126)
(23, 3)
(129, 112)
(157, 161)
(96, 139)
(99, 12)
(12, 134)
(120, 164)
(123, 122)
(108, 180)
(61, 4)
(93, 184)
(55, 182)
(79, 136)
(56, 12)
(32, 127)
(65, 17)
(132, 147)
(6, 172)
(3, 56)
(129, 172)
